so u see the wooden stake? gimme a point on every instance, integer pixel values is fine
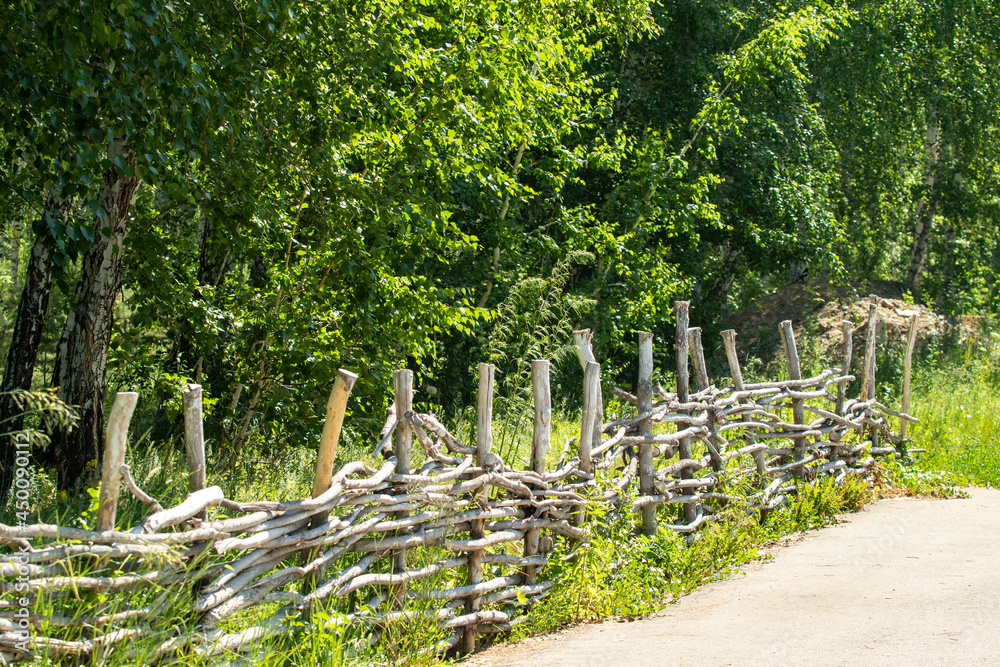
(729, 341)
(484, 442)
(681, 312)
(644, 392)
(847, 334)
(540, 443)
(584, 350)
(794, 373)
(847, 329)
(484, 423)
(336, 408)
(911, 341)
(701, 382)
(591, 398)
(698, 358)
(115, 440)
(403, 392)
(868, 386)
(585, 354)
(403, 395)
(591, 393)
(194, 436)
(541, 437)
(681, 309)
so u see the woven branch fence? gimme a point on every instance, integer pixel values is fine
(478, 525)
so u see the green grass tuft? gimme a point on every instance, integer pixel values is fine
(958, 404)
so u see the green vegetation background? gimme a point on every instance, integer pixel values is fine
(432, 184)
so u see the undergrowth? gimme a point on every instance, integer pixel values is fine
(957, 400)
(619, 573)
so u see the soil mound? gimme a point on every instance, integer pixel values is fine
(817, 308)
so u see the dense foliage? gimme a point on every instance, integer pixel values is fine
(252, 194)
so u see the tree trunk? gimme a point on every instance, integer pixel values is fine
(716, 293)
(946, 297)
(25, 339)
(81, 357)
(14, 253)
(213, 258)
(926, 209)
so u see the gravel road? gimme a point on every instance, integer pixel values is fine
(904, 582)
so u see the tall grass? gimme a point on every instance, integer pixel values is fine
(957, 399)
(619, 573)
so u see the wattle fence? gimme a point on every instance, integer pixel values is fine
(442, 522)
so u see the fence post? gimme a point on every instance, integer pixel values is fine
(681, 312)
(541, 437)
(585, 354)
(589, 418)
(484, 441)
(847, 329)
(644, 392)
(336, 408)
(911, 341)
(403, 393)
(868, 386)
(115, 440)
(794, 373)
(702, 383)
(194, 436)
(697, 358)
(591, 396)
(729, 340)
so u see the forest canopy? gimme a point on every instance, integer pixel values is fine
(251, 195)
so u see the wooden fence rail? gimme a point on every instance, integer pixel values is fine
(440, 520)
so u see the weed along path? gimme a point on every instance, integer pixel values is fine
(903, 582)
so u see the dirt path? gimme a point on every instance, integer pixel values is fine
(905, 582)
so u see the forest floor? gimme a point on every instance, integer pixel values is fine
(904, 581)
